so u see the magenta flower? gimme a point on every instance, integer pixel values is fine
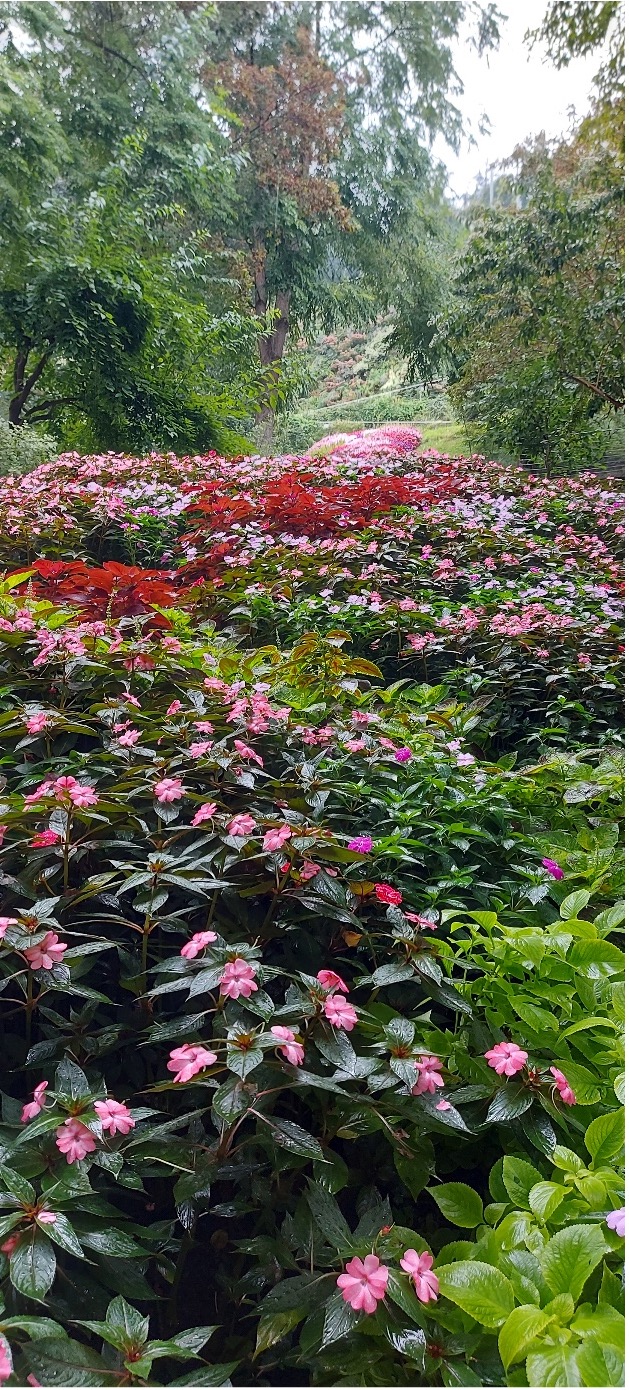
(340, 1013)
(44, 839)
(197, 943)
(386, 894)
(49, 952)
(506, 1058)
(361, 845)
(6, 1365)
(205, 812)
(616, 1221)
(241, 825)
(420, 1269)
(553, 868)
(75, 1140)
(238, 979)
(291, 1048)
(563, 1087)
(428, 1076)
(31, 1111)
(364, 1283)
(187, 1060)
(115, 1117)
(403, 755)
(169, 789)
(274, 839)
(330, 980)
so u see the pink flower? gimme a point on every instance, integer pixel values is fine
(6, 1365)
(362, 844)
(428, 1076)
(44, 789)
(274, 839)
(197, 943)
(198, 750)
(246, 752)
(169, 789)
(75, 1140)
(174, 707)
(443, 1105)
(241, 825)
(115, 1117)
(67, 788)
(189, 1059)
(31, 1111)
(565, 1090)
(465, 760)
(83, 796)
(6, 922)
(506, 1058)
(37, 723)
(419, 921)
(3, 831)
(340, 1013)
(292, 1049)
(364, 1283)
(420, 1269)
(204, 726)
(386, 894)
(330, 980)
(44, 839)
(205, 812)
(403, 755)
(49, 952)
(128, 739)
(238, 979)
(10, 1244)
(616, 1221)
(47, 1218)
(553, 868)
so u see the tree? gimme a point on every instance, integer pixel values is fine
(574, 28)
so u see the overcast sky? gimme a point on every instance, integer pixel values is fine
(518, 89)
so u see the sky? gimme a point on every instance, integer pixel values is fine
(518, 89)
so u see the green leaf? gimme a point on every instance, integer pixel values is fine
(402, 1292)
(570, 1257)
(71, 1084)
(604, 1137)
(545, 1197)
(33, 1264)
(521, 1328)
(556, 1365)
(64, 1235)
(63, 1362)
(17, 1186)
(273, 1326)
(479, 1289)
(459, 1203)
(340, 1318)
(574, 903)
(412, 1172)
(297, 1140)
(209, 1375)
(329, 1218)
(297, 1292)
(597, 959)
(391, 974)
(122, 1317)
(508, 1104)
(600, 1364)
(519, 1177)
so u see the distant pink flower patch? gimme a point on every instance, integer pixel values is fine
(362, 844)
(115, 1117)
(168, 790)
(443, 1105)
(47, 953)
(553, 868)
(32, 1109)
(339, 1012)
(205, 812)
(187, 1060)
(75, 1140)
(197, 943)
(241, 825)
(274, 839)
(204, 726)
(364, 1283)
(291, 1048)
(563, 1087)
(386, 894)
(420, 1269)
(238, 979)
(428, 1076)
(465, 760)
(330, 980)
(506, 1058)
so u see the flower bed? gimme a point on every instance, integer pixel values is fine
(310, 957)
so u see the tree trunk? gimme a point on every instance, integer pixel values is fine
(270, 347)
(23, 385)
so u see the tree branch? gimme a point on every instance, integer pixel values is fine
(596, 390)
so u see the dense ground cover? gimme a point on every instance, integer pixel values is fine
(311, 969)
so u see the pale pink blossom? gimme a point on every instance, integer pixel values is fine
(168, 790)
(563, 1087)
(47, 953)
(241, 825)
(44, 789)
(174, 707)
(274, 839)
(204, 726)
(205, 812)
(189, 1059)
(419, 921)
(75, 1140)
(330, 980)
(238, 979)
(47, 1218)
(197, 943)
(32, 1109)
(615, 1220)
(198, 750)
(291, 1048)
(128, 739)
(36, 723)
(249, 754)
(420, 1269)
(506, 1058)
(3, 831)
(115, 1117)
(364, 1283)
(428, 1076)
(340, 1013)
(5, 923)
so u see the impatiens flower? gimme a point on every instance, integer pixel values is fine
(75, 1140)
(31, 1111)
(364, 1283)
(36, 723)
(330, 980)
(204, 726)
(362, 844)
(248, 753)
(205, 812)
(83, 796)
(274, 839)
(386, 894)
(10, 1244)
(443, 1105)
(6, 922)
(189, 1059)
(169, 789)
(340, 1013)
(291, 1048)
(47, 1218)
(506, 1058)
(49, 952)
(174, 707)
(44, 839)
(197, 943)
(6, 1368)
(428, 1076)
(616, 1221)
(564, 1088)
(419, 921)
(128, 739)
(553, 868)
(44, 789)
(198, 750)
(403, 755)
(420, 1269)
(241, 825)
(238, 979)
(115, 1117)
